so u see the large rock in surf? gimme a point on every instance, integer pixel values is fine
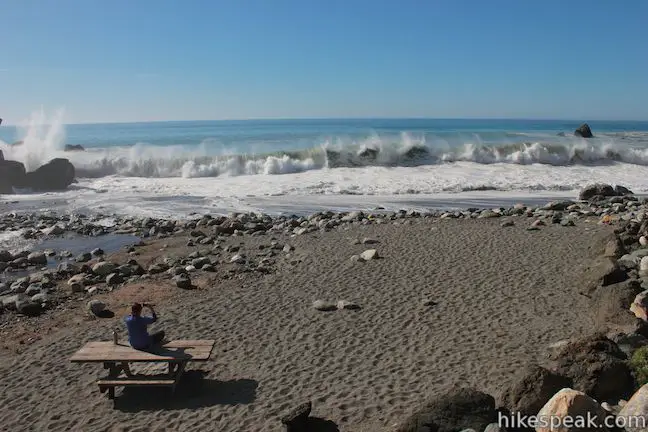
(56, 174)
(73, 147)
(602, 190)
(12, 174)
(584, 131)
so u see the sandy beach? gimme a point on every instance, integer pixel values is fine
(448, 302)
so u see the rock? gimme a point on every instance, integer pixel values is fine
(558, 205)
(583, 131)
(103, 268)
(603, 272)
(73, 147)
(6, 256)
(114, 279)
(9, 302)
(37, 258)
(596, 189)
(237, 259)
(614, 248)
(567, 223)
(344, 304)
(635, 412)
(33, 289)
(324, 306)
(40, 298)
(369, 254)
(157, 268)
(538, 223)
(296, 420)
(459, 409)
(643, 240)
(570, 405)
(507, 223)
(208, 268)
(614, 302)
(622, 190)
(56, 174)
(96, 307)
(200, 262)
(28, 307)
(84, 257)
(12, 174)
(182, 281)
(54, 231)
(532, 389)
(596, 366)
(76, 287)
(97, 252)
(639, 306)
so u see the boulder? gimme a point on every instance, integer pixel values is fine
(37, 258)
(73, 147)
(460, 408)
(614, 302)
(597, 367)
(532, 389)
(12, 174)
(56, 174)
(584, 131)
(103, 268)
(614, 248)
(634, 413)
(604, 271)
(596, 189)
(570, 405)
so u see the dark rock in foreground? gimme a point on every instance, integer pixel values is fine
(12, 174)
(533, 388)
(56, 174)
(597, 367)
(584, 131)
(460, 408)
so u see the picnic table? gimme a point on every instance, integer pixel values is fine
(116, 358)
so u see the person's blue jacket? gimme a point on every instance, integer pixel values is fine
(138, 336)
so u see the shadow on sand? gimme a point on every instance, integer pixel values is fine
(316, 424)
(193, 391)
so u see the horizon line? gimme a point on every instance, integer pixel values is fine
(252, 119)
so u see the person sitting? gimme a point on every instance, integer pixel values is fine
(138, 336)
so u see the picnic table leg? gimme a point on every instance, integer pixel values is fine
(178, 374)
(114, 370)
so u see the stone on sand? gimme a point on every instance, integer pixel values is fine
(103, 268)
(96, 307)
(369, 254)
(324, 306)
(182, 281)
(344, 304)
(296, 420)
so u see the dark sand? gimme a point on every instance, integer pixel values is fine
(502, 295)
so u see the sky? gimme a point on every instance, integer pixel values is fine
(146, 60)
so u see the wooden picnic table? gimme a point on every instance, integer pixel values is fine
(116, 357)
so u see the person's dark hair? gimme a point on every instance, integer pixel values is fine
(136, 309)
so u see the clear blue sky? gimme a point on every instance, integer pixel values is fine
(125, 60)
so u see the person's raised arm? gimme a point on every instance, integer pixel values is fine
(153, 314)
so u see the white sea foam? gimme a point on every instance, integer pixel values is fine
(399, 171)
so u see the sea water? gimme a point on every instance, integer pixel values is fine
(174, 169)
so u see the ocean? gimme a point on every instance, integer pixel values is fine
(176, 169)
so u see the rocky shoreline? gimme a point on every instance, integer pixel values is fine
(593, 374)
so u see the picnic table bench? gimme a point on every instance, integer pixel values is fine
(116, 357)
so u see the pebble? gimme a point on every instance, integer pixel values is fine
(369, 254)
(344, 304)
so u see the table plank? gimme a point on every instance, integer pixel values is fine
(175, 351)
